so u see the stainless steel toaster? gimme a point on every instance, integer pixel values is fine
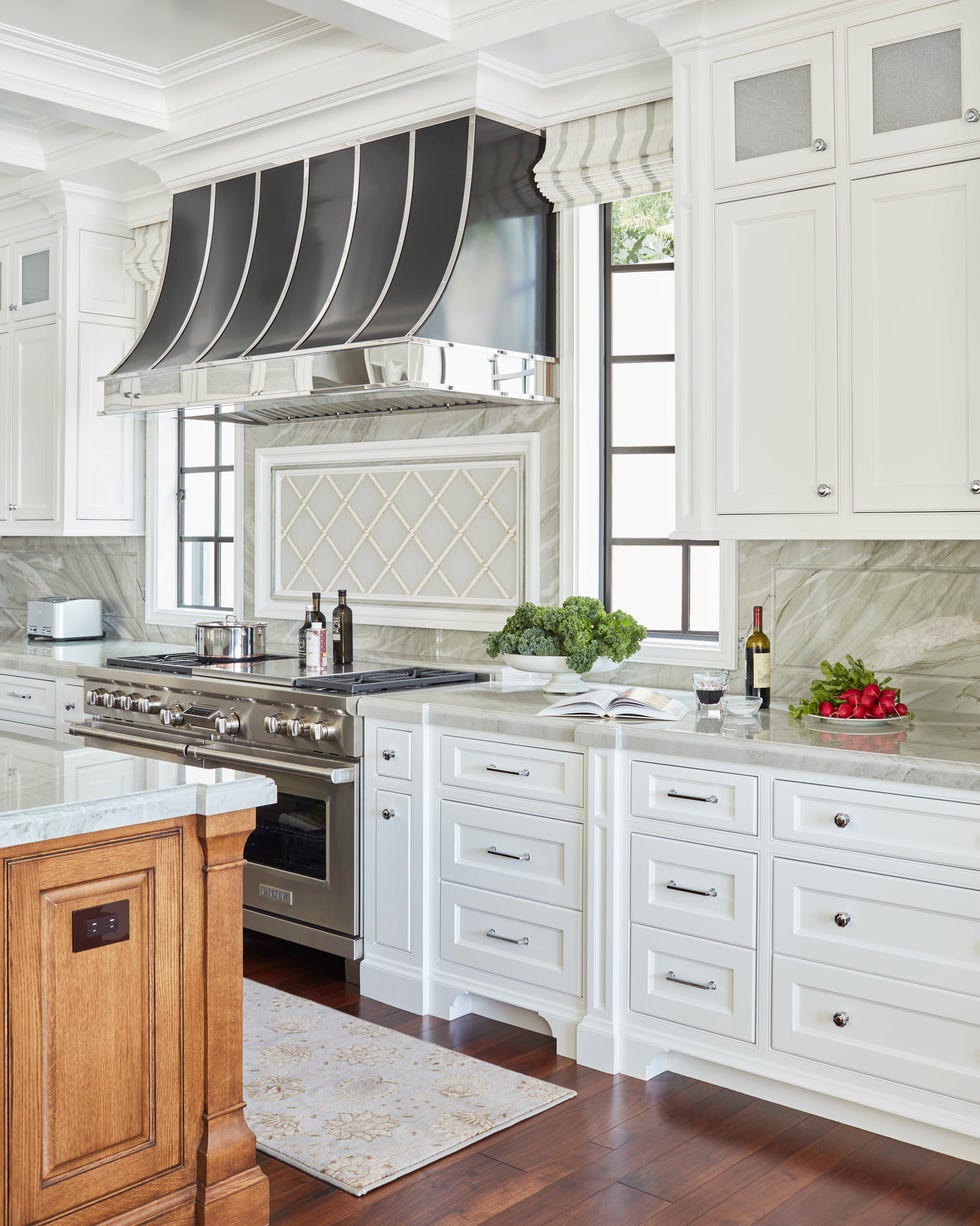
(64, 617)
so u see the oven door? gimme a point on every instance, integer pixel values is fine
(303, 860)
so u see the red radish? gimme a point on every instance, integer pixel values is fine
(867, 701)
(878, 711)
(890, 694)
(850, 696)
(860, 712)
(871, 689)
(901, 708)
(826, 708)
(844, 711)
(887, 704)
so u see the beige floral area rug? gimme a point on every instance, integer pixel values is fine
(358, 1105)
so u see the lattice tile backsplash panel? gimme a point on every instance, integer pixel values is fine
(427, 530)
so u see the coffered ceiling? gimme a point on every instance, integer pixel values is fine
(139, 97)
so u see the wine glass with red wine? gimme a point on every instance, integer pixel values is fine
(710, 685)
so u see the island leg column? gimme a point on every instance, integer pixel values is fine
(232, 1190)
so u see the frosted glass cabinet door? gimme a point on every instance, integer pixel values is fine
(914, 81)
(33, 278)
(774, 112)
(776, 354)
(916, 319)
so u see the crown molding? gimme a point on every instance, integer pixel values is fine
(241, 51)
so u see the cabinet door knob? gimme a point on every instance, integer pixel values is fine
(841, 820)
(824, 491)
(841, 1018)
(388, 754)
(387, 814)
(12, 306)
(69, 706)
(11, 506)
(971, 115)
(842, 919)
(820, 145)
(975, 487)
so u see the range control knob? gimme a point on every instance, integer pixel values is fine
(323, 732)
(296, 727)
(172, 717)
(274, 724)
(149, 706)
(127, 702)
(226, 725)
(95, 698)
(113, 700)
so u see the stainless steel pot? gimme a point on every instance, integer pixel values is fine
(230, 640)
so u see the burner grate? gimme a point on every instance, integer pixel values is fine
(378, 681)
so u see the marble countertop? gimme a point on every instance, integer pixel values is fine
(52, 790)
(938, 750)
(65, 659)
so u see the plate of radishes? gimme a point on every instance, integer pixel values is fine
(851, 692)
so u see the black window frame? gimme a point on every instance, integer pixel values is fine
(218, 538)
(609, 361)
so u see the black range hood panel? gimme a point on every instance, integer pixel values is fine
(436, 235)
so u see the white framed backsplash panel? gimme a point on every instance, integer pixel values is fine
(442, 533)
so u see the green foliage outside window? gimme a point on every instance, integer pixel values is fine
(643, 229)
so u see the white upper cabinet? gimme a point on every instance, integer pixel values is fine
(914, 81)
(33, 278)
(915, 255)
(28, 426)
(776, 354)
(774, 112)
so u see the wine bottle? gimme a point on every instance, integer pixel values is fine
(343, 630)
(302, 637)
(316, 616)
(758, 671)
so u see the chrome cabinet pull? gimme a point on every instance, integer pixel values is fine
(842, 919)
(841, 820)
(502, 770)
(492, 932)
(508, 855)
(14, 694)
(975, 487)
(841, 1018)
(710, 986)
(707, 800)
(69, 706)
(388, 814)
(689, 889)
(388, 754)
(820, 145)
(824, 490)
(971, 115)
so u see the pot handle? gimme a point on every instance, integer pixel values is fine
(231, 619)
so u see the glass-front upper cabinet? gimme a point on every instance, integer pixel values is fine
(31, 288)
(774, 112)
(914, 81)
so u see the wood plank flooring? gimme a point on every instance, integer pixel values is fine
(670, 1151)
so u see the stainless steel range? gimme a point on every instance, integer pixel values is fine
(302, 729)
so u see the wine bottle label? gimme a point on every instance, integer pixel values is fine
(761, 669)
(336, 630)
(315, 647)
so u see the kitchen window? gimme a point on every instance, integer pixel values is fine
(618, 438)
(193, 505)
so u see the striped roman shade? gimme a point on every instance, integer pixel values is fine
(609, 156)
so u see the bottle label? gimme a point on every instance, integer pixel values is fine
(315, 647)
(761, 669)
(336, 630)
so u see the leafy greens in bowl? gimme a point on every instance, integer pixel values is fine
(580, 629)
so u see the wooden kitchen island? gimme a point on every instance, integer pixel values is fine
(122, 991)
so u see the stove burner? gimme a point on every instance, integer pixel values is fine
(181, 663)
(377, 681)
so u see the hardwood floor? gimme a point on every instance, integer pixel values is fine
(668, 1151)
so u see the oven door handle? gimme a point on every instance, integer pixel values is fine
(254, 764)
(87, 731)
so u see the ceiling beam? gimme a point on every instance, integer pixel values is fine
(21, 150)
(405, 25)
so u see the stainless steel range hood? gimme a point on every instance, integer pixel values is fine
(413, 271)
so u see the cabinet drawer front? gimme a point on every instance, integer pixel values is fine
(659, 961)
(941, 832)
(915, 1036)
(696, 890)
(884, 925)
(526, 772)
(694, 797)
(531, 943)
(393, 753)
(539, 858)
(27, 695)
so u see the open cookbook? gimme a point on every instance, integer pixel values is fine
(637, 702)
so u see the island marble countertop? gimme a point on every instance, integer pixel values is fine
(939, 750)
(63, 790)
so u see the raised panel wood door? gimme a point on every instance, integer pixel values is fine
(95, 1034)
(776, 354)
(916, 319)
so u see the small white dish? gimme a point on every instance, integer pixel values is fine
(742, 706)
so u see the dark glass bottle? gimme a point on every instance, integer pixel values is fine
(317, 618)
(302, 637)
(343, 631)
(758, 669)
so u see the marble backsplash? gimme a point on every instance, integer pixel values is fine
(908, 608)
